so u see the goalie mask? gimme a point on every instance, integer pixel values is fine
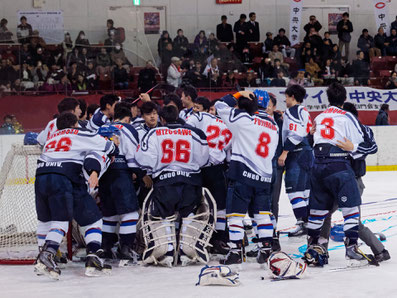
(281, 266)
(219, 276)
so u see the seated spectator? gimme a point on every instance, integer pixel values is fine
(360, 69)
(36, 41)
(200, 41)
(25, 54)
(335, 55)
(40, 74)
(5, 34)
(17, 125)
(230, 80)
(103, 62)
(44, 56)
(9, 55)
(248, 81)
(74, 57)
(268, 44)
(84, 57)
(306, 54)
(327, 36)
(67, 45)
(367, 45)
(194, 76)
(391, 48)
(24, 31)
(214, 79)
(328, 72)
(277, 67)
(381, 41)
(344, 72)
(313, 23)
(224, 31)
(279, 81)
(8, 74)
(383, 115)
(118, 53)
(316, 42)
(7, 128)
(276, 54)
(213, 44)
(26, 77)
(297, 78)
(180, 44)
(90, 76)
(82, 41)
(284, 44)
(110, 42)
(314, 69)
(174, 72)
(63, 86)
(392, 82)
(163, 42)
(265, 71)
(147, 77)
(247, 57)
(211, 68)
(120, 75)
(80, 84)
(327, 49)
(73, 73)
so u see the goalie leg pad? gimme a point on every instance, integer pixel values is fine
(197, 230)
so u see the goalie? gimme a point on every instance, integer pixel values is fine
(174, 155)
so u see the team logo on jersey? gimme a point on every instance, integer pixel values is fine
(343, 199)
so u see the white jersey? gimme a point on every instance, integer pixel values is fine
(218, 135)
(65, 152)
(296, 126)
(97, 120)
(254, 143)
(48, 130)
(335, 124)
(174, 153)
(185, 113)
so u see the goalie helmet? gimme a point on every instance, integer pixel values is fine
(218, 275)
(281, 266)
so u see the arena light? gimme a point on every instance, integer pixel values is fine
(137, 2)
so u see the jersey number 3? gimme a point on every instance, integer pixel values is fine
(175, 151)
(328, 132)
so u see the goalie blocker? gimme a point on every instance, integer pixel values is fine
(194, 235)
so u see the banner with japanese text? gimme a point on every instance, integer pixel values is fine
(295, 21)
(364, 98)
(382, 15)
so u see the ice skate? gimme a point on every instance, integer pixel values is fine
(94, 265)
(253, 253)
(128, 257)
(46, 265)
(167, 260)
(300, 229)
(276, 242)
(264, 252)
(383, 256)
(356, 258)
(234, 256)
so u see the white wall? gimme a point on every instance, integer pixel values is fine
(191, 15)
(386, 154)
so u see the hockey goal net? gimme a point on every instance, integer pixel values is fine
(18, 221)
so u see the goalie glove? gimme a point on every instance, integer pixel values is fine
(281, 266)
(218, 275)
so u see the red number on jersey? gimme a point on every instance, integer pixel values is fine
(214, 132)
(328, 132)
(63, 144)
(180, 152)
(292, 127)
(263, 147)
(309, 125)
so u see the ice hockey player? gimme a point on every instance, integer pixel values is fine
(213, 174)
(254, 142)
(104, 113)
(189, 95)
(61, 193)
(333, 178)
(67, 104)
(297, 156)
(359, 167)
(174, 154)
(119, 203)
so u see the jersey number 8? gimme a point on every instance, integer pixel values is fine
(175, 151)
(263, 146)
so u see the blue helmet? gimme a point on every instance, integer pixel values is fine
(263, 98)
(337, 233)
(108, 131)
(30, 138)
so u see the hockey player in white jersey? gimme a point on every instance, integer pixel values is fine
(67, 104)
(213, 174)
(333, 178)
(119, 203)
(61, 193)
(254, 142)
(174, 154)
(104, 114)
(189, 95)
(297, 156)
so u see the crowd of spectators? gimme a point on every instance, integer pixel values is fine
(225, 59)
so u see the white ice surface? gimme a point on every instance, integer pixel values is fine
(20, 281)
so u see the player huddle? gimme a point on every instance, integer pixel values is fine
(175, 186)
